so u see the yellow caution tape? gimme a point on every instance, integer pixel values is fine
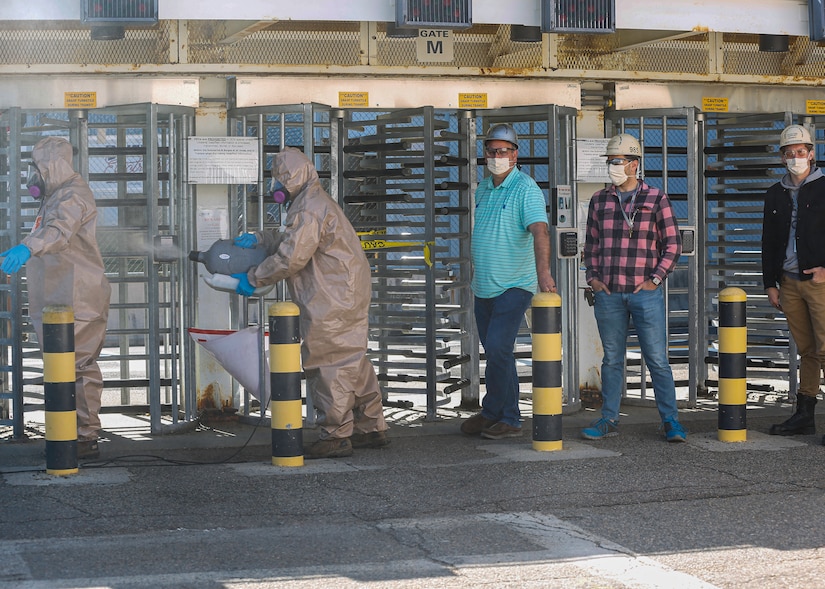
(380, 244)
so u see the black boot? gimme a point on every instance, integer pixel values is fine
(801, 422)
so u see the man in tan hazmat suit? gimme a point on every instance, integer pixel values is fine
(320, 256)
(66, 268)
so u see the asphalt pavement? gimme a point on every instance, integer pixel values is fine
(207, 509)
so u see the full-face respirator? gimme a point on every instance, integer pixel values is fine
(34, 182)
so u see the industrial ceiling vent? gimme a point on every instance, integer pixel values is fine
(578, 16)
(109, 18)
(433, 14)
(816, 20)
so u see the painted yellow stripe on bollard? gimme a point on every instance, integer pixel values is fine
(546, 347)
(548, 446)
(61, 426)
(59, 367)
(286, 414)
(285, 357)
(284, 309)
(58, 314)
(287, 461)
(733, 391)
(547, 401)
(733, 340)
(732, 435)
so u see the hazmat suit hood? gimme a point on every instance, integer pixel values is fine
(293, 169)
(53, 158)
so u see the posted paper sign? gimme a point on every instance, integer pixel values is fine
(223, 160)
(213, 224)
(590, 160)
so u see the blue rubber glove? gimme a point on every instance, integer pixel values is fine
(16, 257)
(247, 240)
(243, 288)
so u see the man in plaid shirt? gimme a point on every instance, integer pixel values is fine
(632, 243)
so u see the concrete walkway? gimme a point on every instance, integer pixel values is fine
(435, 509)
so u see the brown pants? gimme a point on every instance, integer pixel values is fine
(803, 303)
(347, 398)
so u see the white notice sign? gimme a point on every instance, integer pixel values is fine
(590, 160)
(223, 160)
(434, 45)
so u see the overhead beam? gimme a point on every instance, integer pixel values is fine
(240, 30)
(634, 39)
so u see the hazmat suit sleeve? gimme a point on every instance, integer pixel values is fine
(63, 220)
(291, 249)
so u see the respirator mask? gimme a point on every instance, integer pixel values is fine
(35, 183)
(279, 194)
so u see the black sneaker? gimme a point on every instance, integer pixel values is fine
(370, 440)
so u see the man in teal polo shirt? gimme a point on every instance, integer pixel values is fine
(511, 261)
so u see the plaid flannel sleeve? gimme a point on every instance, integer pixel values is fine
(670, 245)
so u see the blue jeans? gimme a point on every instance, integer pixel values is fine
(613, 313)
(498, 320)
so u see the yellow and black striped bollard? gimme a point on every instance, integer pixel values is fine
(285, 382)
(59, 390)
(733, 348)
(547, 392)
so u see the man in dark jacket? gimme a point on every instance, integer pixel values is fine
(793, 266)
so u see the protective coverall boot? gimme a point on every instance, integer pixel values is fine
(801, 422)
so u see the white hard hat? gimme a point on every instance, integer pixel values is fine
(793, 134)
(502, 132)
(624, 144)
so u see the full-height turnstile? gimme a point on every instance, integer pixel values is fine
(742, 162)
(133, 159)
(406, 179)
(716, 168)
(672, 141)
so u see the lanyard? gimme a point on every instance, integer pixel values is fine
(629, 219)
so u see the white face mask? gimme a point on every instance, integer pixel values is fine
(498, 165)
(798, 165)
(617, 174)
